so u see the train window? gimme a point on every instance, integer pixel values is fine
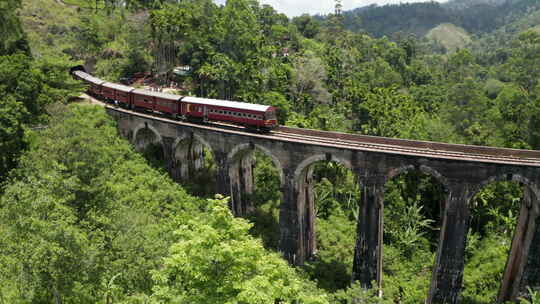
(271, 115)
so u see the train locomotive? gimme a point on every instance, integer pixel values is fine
(251, 116)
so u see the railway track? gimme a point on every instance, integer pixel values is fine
(394, 149)
(371, 143)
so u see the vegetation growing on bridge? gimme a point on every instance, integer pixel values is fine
(75, 222)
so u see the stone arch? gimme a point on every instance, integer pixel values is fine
(304, 198)
(195, 137)
(512, 177)
(146, 126)
(242, 181)
(439, 208)
(422, 168)
(240, 150)
(188, 159)
(516, 270)
(177, 141)
(308, 162)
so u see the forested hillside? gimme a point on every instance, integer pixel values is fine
(475, 16)
(85, 219)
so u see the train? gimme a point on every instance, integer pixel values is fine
(254, 117)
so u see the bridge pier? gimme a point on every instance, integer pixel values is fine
(289, 240)
(297, 218)
(305, 202)
(514, 282)
(223, 180)
(241, 179)
(367, 264)
(448, 271)
(168, 156)
(530, 253)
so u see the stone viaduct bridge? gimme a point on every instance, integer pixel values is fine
(463, 170)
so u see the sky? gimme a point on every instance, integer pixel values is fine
(298, 7)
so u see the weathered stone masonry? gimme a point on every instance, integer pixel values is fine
(182, 151)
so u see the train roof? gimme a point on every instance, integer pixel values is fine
(227, 104)
(88, 77)
(118, 87)
(157, 94)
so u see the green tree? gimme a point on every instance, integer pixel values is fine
(13, 37)
(307, 25)
(389, 113)
(524, 60)
(217, 262)
(307, 84)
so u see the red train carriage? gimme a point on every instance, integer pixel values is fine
(250, 115)
(156, 101)
(118, 92)
(241, 113)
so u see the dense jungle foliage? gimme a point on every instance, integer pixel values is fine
(85, 219)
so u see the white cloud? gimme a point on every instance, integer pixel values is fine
(299, 7)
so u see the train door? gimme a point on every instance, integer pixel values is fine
(184, 109)
(205, 113)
